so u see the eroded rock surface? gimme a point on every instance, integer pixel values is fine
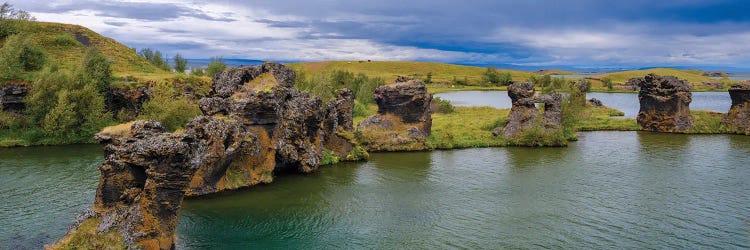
(126, 102)
(12, 97)
(142, 185)
(254, 124)
(404, 117)
(524, 114)
(738, 117)
(338, 126)
(665, 104)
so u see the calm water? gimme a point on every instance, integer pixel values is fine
(626, 102)
(41, 190)
(610, 189)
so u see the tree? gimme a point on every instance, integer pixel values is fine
(97, 70)
(197, 72)
(608, 83)
(428, 78)
(8, 12)
(216, 66)
(169, 107)
(180, 63)
(155, 57)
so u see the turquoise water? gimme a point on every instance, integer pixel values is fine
(608, 190)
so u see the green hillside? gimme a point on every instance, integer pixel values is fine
(388, 70)
(65, 45)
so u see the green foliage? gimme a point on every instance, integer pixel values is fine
(180, 63)
(69, 109)
(7, 28)
(442, 106)
(19, 55)
(97, 69)
(65, 39)
(216, 66)
(170, 107)
(428, 78)
(325, 84)
(536, 136)
(8, 12)
(358, 153)
(608, 83)
(155, 58)
(197, 72)
(544, 81)
(494, 77)
(360, 110)
(457, 81)
(329, 158)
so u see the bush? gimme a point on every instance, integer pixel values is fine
(494, 77)
(325, 84)
(170, 107)
(442, 106)
(155, 57)
(360, 110)
(19, 55)
(216, 66)
(608, 83)
(428, 78)
(97, 69)
(7, 28)
(65, 39)
(197, 72)
(329, 158)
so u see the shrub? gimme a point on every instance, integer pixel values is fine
(155, 57)
(170, 107)
(358, 153)
(428, 78)
(607, 83)
(360, 110)
(65, 39)
(442, 106)
(19, 55)
(329, 158)
(97, 69)
(325, 84)
(197, 72)
(216, 66)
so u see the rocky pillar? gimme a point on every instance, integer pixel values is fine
(665, 104)
(738, 117)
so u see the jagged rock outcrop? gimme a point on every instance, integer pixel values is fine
(715, 74)
(338, 127)
(126, 103)
(404, 117)
(524, 114)
(142, 185)
(713, 85)
(738, 117)
(254, 125)
(665, 104)
(12, 97)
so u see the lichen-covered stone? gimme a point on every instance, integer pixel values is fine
(402, 107)
(665, 104)
(142, 184)
(738, 117)
(525, 115)
(126, 102)
(338, 124)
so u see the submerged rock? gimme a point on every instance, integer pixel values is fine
(12, 97)
(665, 104)
(524, 115)
(738, 117)
(404, 118)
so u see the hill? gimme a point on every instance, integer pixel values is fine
(65, 45)
(388, 70)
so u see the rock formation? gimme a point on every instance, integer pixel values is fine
(715, 74)
(404, 118)
(665, 104)
(524, 114)
(738, 117)
(126, 102)
(142, 185)
(12, 97)
(254, 125)
(338, 127)
(596, 102)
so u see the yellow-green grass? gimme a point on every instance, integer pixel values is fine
(442, 88)
(389, 70)
(604, 118)
(86, 236)
(694, 77)
(708, 122)
(64, 50)
(467, 127)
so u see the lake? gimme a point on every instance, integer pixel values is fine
(609, 189)
(625, 102)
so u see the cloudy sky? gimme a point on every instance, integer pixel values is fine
(524, 32)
